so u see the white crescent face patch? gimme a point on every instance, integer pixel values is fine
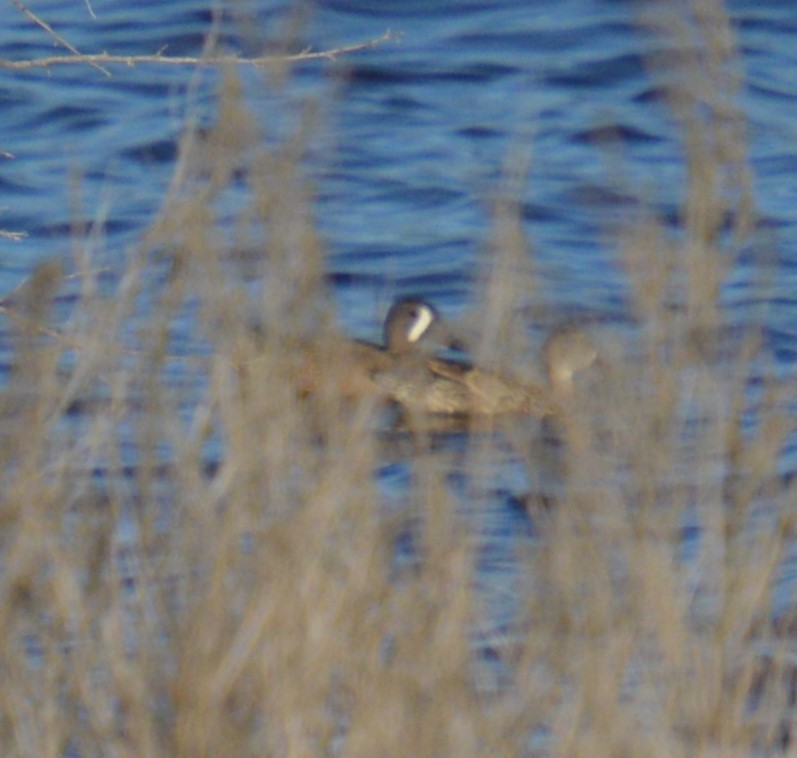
(422, 323)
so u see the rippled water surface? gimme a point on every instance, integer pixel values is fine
(413, 137)
(413, 143)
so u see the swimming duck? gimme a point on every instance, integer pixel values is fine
(404, 371)
(423, 384)
(355, 367)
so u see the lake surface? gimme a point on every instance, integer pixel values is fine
(413, 141)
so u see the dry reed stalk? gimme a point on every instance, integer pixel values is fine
(158, 609)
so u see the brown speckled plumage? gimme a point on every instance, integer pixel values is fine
(403, 372)
(423, 384)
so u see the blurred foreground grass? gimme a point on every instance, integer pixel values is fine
(258, 610)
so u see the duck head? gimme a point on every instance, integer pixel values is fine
(409, 322)
(565, 353)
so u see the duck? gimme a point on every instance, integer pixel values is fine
(423, 384)
(405, 371)
(353, 368)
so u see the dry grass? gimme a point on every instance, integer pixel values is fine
(153, 607)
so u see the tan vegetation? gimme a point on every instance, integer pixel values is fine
(151, 607)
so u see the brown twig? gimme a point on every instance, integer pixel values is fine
(90, 10)
(15, 236)
(159, 59)
(58, 38)
(10, 306)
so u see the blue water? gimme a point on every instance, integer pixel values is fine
(410, 153)
(413, 141)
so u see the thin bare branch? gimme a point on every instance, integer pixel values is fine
(58, 38)
(159, 59)
(15, 236)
